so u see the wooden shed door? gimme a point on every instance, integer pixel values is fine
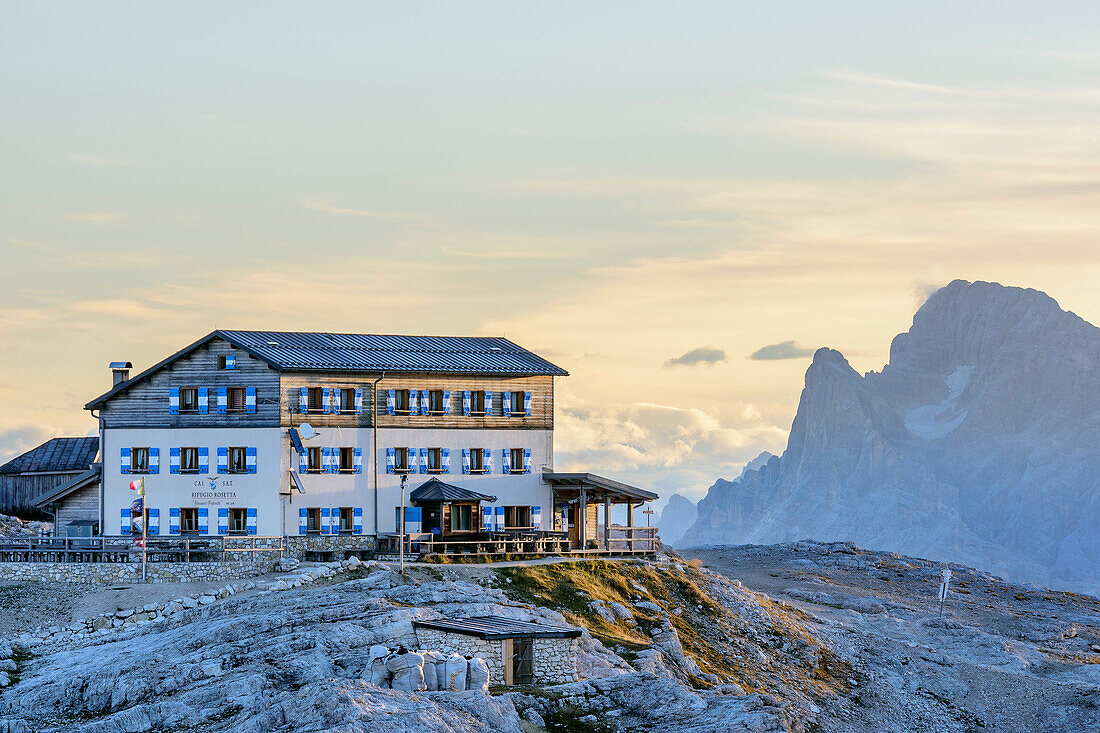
(523, 662)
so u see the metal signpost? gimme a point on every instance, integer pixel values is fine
(945, 574)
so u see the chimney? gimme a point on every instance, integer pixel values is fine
(121, 372)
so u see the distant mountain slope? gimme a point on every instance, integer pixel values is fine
(676, 518)
(976, 443)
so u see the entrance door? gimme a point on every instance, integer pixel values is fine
(523, 662)
(432, 521)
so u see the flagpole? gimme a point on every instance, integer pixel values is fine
(144, 530)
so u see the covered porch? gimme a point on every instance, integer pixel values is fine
(583, 503)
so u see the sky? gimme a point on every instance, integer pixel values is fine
(676, 202)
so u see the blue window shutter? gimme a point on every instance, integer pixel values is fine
(498, 524)
(488, 402)
(527, 403)
(230, 361)
(465, 460)
(486, 519)
(445, 455)
(303, 400)
(358, 400)
(250, 459)
(359, 460)
(357, 519)
(250, 520)
(250, 399)
(536, 517)
(423, 460)
(335, 520)
(487, 459)
(223, 520)
(204, 400)
(303, 461)
(467, 398)
(125, 466)
(425, 402)
(303, 520)
(414, 402)
(411, 453)
(223, 401)
(204, 520)
(391, 401)
(446, 402)
(390, 460)
(174, 520)
(325, 459)
(326, 400)
(223, 460)
(173, 460)
(527, 460)
(413, 516)
(154, 522)
(174, 401)
(154, 460)
(204, 460)
(125, 527)
(505, 461)
(325, 520)
(505, 403)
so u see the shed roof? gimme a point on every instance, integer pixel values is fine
(56, 455)
(91, 476)
(300, 351)
(435, 490)
(498, 627)
(598, 483)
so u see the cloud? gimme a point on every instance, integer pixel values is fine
(708, 355)
(330, 209)
(95, 217)
(20, 439)
(782, 350)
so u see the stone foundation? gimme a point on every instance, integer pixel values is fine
(339, 545)
(98, 573)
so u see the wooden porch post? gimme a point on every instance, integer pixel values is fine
(606, 522)
(582, 515)
(630, 523)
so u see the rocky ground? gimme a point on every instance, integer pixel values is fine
(844, 640)
(15, 527)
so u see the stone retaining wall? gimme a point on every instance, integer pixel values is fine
(298, 545)
(555, 660)
(97, 573)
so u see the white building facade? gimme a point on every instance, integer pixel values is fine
(215, 432)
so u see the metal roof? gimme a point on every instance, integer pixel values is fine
(56, 455)
(597, 483)
(498, 627)
(298, 351)
(436, 490)
(91, 476)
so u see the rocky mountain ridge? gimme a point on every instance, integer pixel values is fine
(976, 443)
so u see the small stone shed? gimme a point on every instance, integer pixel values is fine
(516, 652)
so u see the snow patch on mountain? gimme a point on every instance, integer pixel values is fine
(932, 422)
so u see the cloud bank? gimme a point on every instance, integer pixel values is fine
(782, 350)
(708, 355)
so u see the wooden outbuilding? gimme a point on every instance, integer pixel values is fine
(30, 476)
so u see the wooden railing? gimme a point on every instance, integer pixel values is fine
(124, 548)
(634, 541)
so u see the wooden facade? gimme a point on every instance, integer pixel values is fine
(20, 491)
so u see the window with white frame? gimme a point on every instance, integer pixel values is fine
(139, 460)
(189, 460)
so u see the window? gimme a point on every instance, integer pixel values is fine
(435, 460)
(314, 404)
(477, 460)
(237, 461)
(136, 522)
(435, 402)
(347, 520)
(189, 399)
(238, 521)
(227, 361)
(189, 460)
(314, 464)
(347, 460)
(461, 516)
(347, 400)
(401, 460)
(189, 520)
(401, 401)
(517, 403)
(313, 520)
(517, 516)
(517, 460)
(139, 460)
(477, 403)
(235, 399)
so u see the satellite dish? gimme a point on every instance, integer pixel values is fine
(306, 431)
